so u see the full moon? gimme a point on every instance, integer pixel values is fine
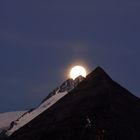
(77, 71)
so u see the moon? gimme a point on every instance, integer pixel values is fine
(77, 71)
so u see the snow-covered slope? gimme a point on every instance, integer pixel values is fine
(51, 99)
(8, 117)
(31, 115)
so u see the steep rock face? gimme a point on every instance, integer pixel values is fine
(97, 109)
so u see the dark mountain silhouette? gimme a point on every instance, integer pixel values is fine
(97, 109)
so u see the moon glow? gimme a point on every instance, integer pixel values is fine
(77, 71)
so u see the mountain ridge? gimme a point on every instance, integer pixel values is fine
(51, 99)
(98, 108)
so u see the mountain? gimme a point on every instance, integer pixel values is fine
(51, 99)
(96, 109)
(7, 117)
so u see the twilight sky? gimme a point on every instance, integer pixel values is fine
(41, 39)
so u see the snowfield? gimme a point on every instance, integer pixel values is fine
(8, 117)
(51, 99)
(27, 117)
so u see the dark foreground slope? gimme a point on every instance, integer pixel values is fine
(97, 109)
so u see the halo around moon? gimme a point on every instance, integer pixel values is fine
(77, 71)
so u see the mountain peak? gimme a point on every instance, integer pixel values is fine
(99, 69)
(98, 108)
(98, 73)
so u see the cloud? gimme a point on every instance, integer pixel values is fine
(17, 39)
(12, 37)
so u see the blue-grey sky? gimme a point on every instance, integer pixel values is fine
(41, 39)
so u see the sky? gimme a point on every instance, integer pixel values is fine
(41, 39)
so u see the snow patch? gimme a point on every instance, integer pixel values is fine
(8, 117)
(51, 99)
(31, 115)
